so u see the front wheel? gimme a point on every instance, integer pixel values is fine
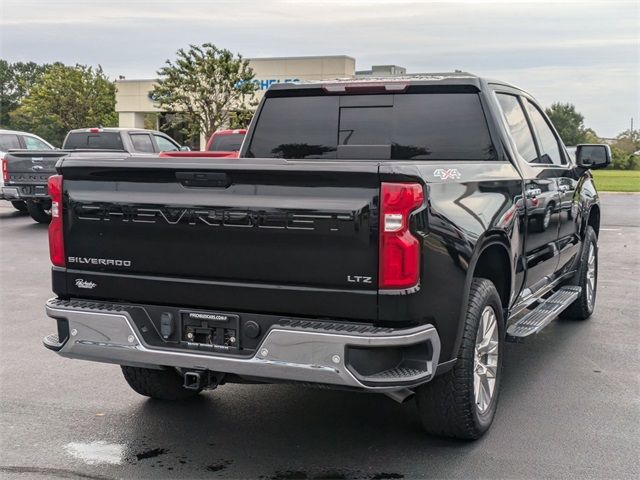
(40, 212)
(461, 403)
(587, 278)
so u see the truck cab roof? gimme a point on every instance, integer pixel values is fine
(395, 84)
(111, 129)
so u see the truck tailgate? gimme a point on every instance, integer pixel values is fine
(25, 167)
(266, 235)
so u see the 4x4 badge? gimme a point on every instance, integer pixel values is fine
(447, 173)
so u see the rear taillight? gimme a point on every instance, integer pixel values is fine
(56, 240)
(5, 172)
(399, 249)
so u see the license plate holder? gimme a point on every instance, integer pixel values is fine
(210, 330)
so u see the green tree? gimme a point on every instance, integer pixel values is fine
(569, 123)
(241, 117)
(202, 87)
(624, 150)
(64, 98)
(16, 80)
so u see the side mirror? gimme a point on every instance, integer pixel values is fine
(184, 148)
(593, 156)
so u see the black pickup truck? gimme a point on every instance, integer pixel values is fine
(379, 236)
(26, 172)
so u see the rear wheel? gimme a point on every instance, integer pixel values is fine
(164, 384)
(39, 211)
(587, 278)
(19, 205)
(461, 403)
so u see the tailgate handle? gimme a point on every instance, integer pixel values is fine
(203, 179)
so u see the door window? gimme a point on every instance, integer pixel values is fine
(547, 141)
(518, 127)
(33, 143)
(142, 143)
(165, 145)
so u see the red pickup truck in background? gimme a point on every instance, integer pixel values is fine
(222, 144)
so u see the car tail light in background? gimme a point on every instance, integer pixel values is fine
(399, 249)
(56, 239)
(5, 172)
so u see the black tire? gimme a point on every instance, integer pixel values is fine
(38, 211)
(20, 206)
(164, 384)
(582, 307)
(447, 405)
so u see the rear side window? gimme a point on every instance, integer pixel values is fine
(8, 141)
(142, 142)
(97, 141)
(227, 143)
(426, 126)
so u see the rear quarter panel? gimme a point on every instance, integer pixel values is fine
(469, 206)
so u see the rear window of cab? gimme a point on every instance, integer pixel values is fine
(408, 126)
(94, 141)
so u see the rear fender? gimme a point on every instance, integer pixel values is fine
(487, 240)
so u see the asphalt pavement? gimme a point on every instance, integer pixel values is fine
(569, 407)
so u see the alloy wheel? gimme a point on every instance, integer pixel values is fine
(485, 364)
(591, 275)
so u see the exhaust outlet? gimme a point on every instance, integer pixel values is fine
(400, 396)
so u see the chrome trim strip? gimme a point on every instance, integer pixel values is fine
(286, 353)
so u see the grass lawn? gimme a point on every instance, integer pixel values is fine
(617, 180)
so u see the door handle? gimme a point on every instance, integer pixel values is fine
(203, 179)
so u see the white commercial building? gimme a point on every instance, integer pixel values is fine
(134, 102)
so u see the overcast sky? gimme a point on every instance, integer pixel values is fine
(586, 53)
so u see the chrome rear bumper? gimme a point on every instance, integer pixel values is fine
(286, 353)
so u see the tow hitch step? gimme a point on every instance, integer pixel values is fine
(52, 342)
(543, 314)
(204, 379)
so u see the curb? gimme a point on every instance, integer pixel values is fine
(600, 192)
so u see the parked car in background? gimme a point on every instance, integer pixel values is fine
(226, 140)
(25, 172)
(11, 139)
(221, 144)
